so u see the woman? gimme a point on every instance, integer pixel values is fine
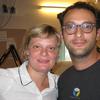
(33, 80)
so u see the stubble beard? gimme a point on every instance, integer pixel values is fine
(82, 53)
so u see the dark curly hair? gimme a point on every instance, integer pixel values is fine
(79, 5)
(98, 19)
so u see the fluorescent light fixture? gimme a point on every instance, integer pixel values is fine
(52, 10)
(53, 7)
(56, 4)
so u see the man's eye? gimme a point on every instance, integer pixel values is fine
(88, 26)
(69, 26)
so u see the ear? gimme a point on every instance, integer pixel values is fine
(61, 35)
(98, 34)
(27, 53)
(98, 38)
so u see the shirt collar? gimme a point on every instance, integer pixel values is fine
(26, 79)
(24, 75)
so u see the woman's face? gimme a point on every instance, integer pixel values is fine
(42, 53)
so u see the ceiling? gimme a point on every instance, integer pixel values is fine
(26, 6)
(26, 14)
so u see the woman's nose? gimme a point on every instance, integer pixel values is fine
(44, 52)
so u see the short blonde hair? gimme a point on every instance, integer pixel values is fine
(42, 31)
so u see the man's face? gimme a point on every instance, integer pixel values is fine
(79, 43)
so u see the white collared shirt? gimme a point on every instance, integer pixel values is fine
(12, 89)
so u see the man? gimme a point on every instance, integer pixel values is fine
(79, 32)
(98, 40)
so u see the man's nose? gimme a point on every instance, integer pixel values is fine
(79, 32)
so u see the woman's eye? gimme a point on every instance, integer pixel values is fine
(52, 48)
(36, 46)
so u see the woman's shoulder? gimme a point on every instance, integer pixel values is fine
(6, 79)
(7, 72)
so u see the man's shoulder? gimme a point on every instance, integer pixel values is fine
(67, 73)
(70, 69)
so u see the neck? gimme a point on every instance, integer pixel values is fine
(40, 79)
(85, 62)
